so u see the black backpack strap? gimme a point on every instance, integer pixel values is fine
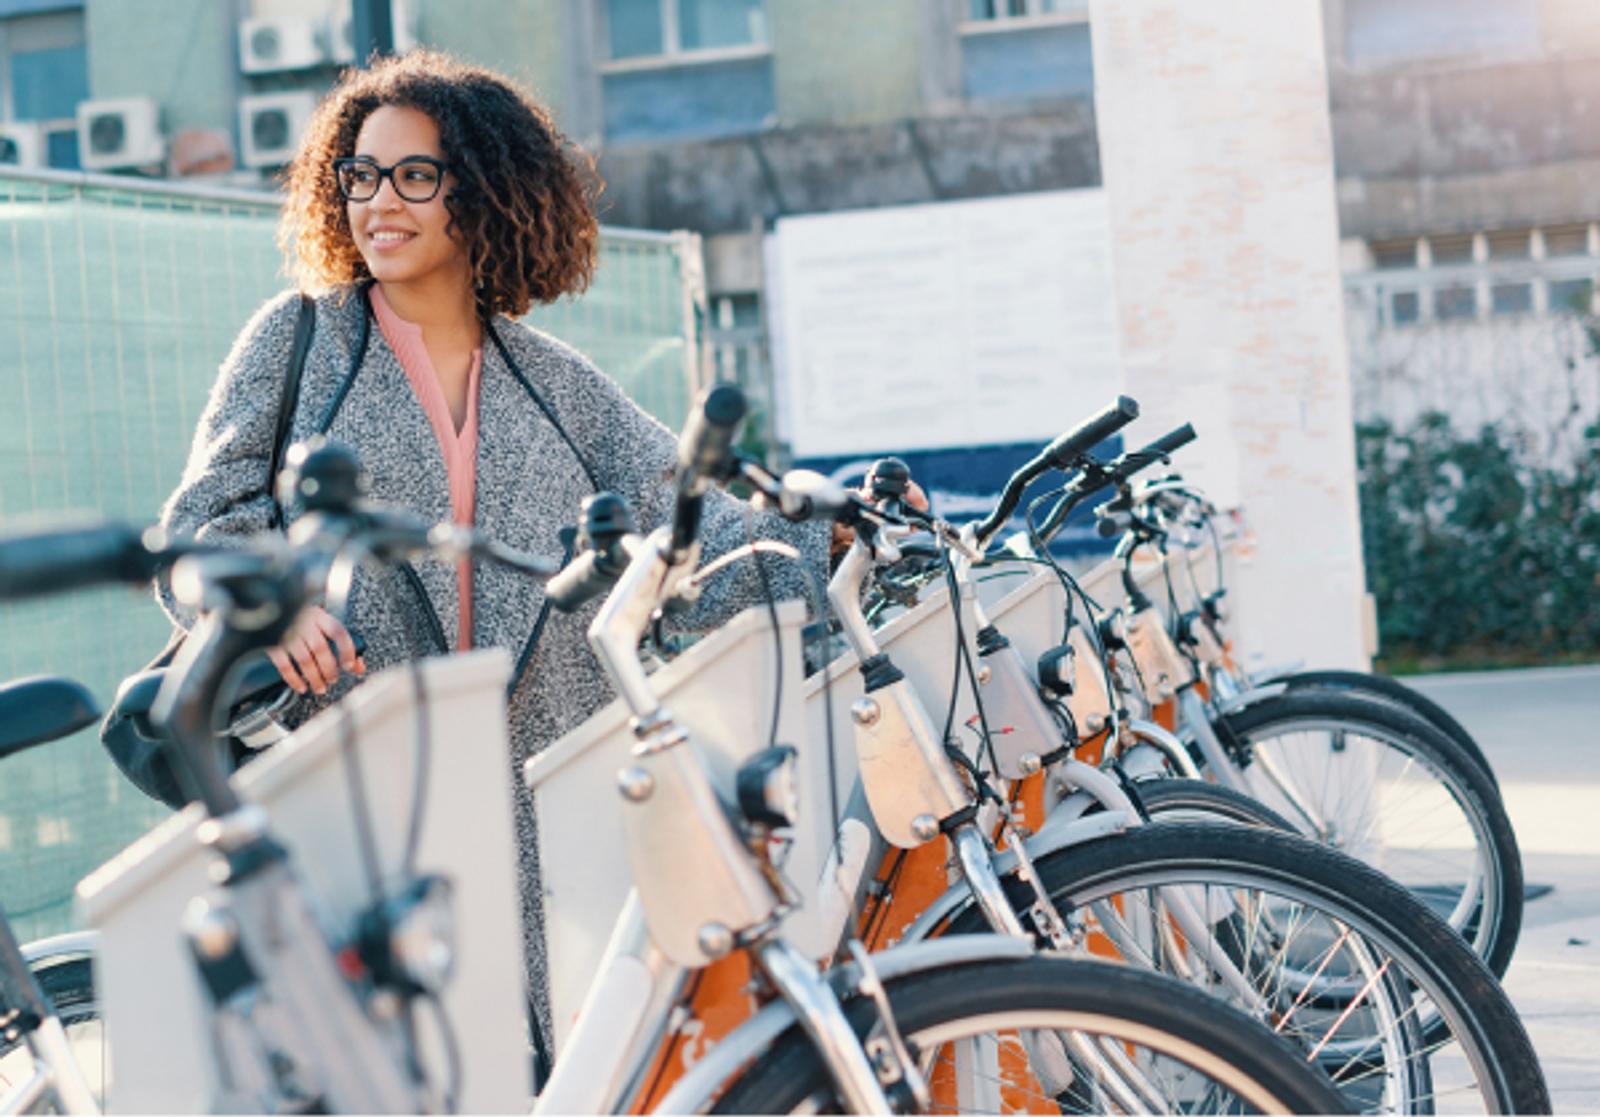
(304, 327)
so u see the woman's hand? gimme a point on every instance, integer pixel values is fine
(314, 652)
(844, 536)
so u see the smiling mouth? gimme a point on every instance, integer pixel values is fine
(389, 238)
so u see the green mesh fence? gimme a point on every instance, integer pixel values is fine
(116, 307)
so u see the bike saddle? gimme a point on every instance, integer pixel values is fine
(40, 709)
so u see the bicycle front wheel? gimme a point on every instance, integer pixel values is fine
(1027, 1035)
(1393, 692)
(1379, 784)
(1334, 956)
(68, 982)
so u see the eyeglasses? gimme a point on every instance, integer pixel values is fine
(416, 179)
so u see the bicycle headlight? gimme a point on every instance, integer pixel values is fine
(409, 941)
(769, 791)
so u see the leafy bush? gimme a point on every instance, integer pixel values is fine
(1477, 557)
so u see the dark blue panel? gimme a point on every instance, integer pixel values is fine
(690, 102)
(48, 84)
(1379, 30)
(62, 150)
(964, 484)
(10, 8)
(1028, 63)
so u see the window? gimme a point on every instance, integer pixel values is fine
(1510, 244)
(669, 28)
(1405, 307)
(686, 69)
(1511, 298)
(978, 10)
(1387, 31)
(1394, 253)
(1455, 248)
(1571, 296)
(44, 73)
(1566, 240)
(1452, 303)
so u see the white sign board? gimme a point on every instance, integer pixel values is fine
(951, 324)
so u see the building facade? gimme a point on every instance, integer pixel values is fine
(1466, 164)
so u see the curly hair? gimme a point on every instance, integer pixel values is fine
(523, 201)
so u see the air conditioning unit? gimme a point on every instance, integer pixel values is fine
(22, 144)
(120, 133)
(340, 30)
(269, 46)
(270, 126)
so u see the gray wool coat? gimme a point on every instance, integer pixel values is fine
(531, 478)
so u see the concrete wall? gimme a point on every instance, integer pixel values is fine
(725, 185)
(1218, 164)
(181, 52)
(525, 40)
(1497, 136)
(845, 62)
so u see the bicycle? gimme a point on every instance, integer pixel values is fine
(1339, 754)
(1458, 985)
(325, 1003)
(49, 1016)
(912, 789)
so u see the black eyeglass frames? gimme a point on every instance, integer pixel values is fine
(416, 179)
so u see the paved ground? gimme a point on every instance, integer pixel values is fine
(1541, 730)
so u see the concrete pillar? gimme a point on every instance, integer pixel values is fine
(1217, 155)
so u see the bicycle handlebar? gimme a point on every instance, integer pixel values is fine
(62, 559)
(1091, 481)
(705, 456)
(1164, 447)
(1060, 454)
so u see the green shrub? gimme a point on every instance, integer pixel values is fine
(1476, 556)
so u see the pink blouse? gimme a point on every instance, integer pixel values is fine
(459, 448)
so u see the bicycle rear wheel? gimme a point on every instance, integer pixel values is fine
(971, 1029)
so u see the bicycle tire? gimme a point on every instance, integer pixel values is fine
(68, 982)
(1390, 691)
(1167, 800)
(1044, 994)
(1436, 773)
(1424, 951)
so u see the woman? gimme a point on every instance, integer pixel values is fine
(431, 203)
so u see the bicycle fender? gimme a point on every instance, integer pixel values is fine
(753, 1037)
(1249, 698)
(1055, 834)
(73, 944)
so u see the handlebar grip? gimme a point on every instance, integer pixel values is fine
(705, 451)
(1173, 440)
(706, 444)
(55, 561)
(1086, 435)
(1129, 464)
(584, 578)
(891, 478)
(1113, 525)
(576, 583)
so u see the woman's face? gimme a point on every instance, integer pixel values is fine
(404, 241)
